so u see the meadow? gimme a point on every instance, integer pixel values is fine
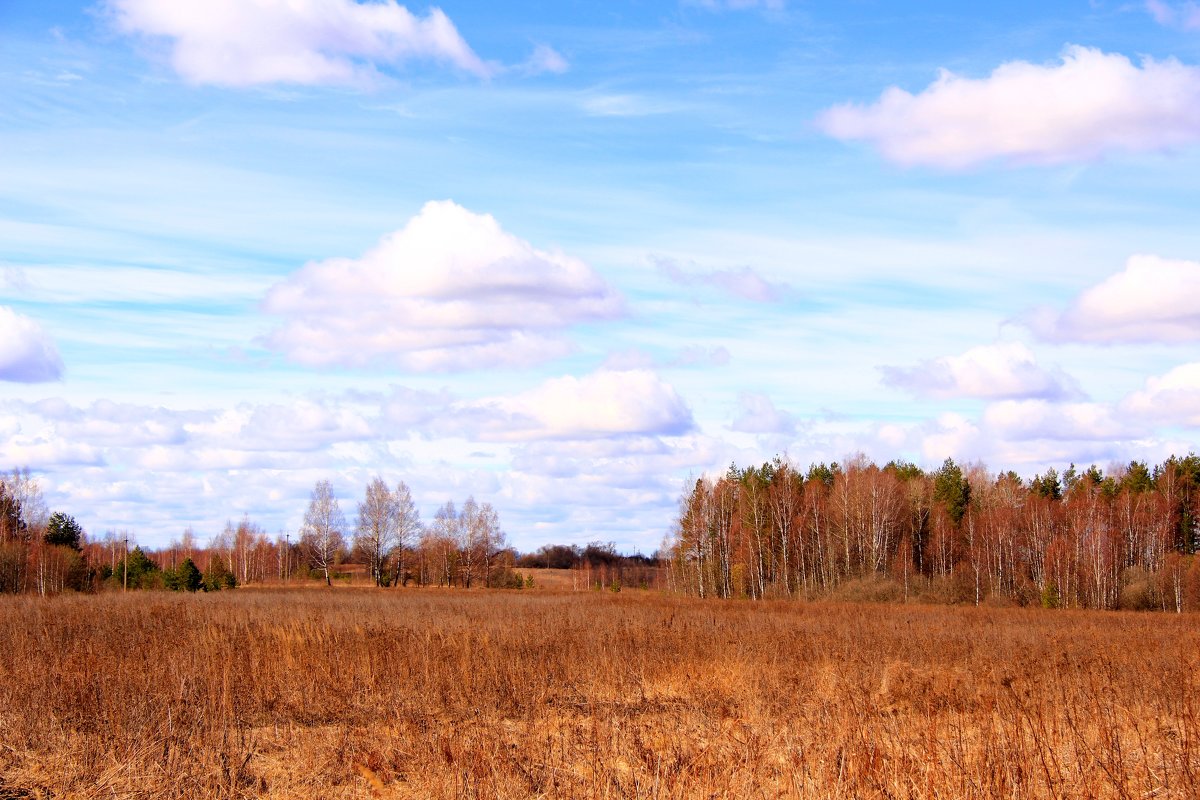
(407, 693)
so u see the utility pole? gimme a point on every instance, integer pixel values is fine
(287, 555)
(125, 588)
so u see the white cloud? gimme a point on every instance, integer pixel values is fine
(757, 414)
(626, 105)
(451, 290)
(1172, 398)
(1152, 300)
(14, 279)
(544, 59)
(994, 371)
(27, 354)
(1023, 420)
(601, 404)
(295, 426)
(742, 282)
(1090, 104)
(1032, 434)
(47, 450)
(1185, 16)
(250, 42)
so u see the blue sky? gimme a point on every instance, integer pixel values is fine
(564, 257)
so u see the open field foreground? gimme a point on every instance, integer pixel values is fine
(424, 693)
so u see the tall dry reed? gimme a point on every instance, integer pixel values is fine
(425, 693)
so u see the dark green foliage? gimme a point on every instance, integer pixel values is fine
(822, 473)
(1137, 478)
(505, 578)
(218, 576)
(137, 571)
(904, 470)
(1047, 486)
(64, 531)
(189, 577)
(1070, 478)
(950, 488)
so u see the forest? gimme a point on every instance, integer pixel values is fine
(1082, 539)
(388, 545)
(851, 530)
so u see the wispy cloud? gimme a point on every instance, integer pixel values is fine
(237, 43)
(689, 356)
(743, 282)
(1090, 104)
(738, 5)
(758, 414)
(1185, 16)
(544, 59)
(626, 105)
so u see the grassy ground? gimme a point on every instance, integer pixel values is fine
(425, 693)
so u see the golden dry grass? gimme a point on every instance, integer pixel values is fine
(424, 693)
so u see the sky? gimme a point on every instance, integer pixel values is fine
(566, 258)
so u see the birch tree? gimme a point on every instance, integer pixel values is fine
(321, 536)
(408, 527)
(378, 522)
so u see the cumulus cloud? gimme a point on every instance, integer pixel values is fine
(1090, 104)
(49, 452)
(252, 42)
(1185, 16)
(27, 353)
(1152, 300)
(994, 371)
(601, 404)
(449, 291)
(742, 282)
(1023, 420)
(296, 426)
(1171, 398)
(757, 414)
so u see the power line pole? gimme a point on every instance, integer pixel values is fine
(125, 588)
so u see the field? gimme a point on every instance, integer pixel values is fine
(448, 694)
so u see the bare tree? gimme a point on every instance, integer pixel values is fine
(408, 526)
(321, 536)
(377, 522)
(483, 539)
(446, 529)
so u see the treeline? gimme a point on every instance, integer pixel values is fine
(1126, 539)
(598, 565)
(387, 544)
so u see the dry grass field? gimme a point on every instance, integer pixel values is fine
(444, 694)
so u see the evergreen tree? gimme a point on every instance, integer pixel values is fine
(64, 531)
(950, 488)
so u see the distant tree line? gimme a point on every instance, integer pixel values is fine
(599, 565)
(463, 546)
(1083, 539)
